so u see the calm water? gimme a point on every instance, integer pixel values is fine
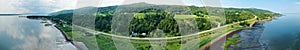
(20, 33)
(282, 33)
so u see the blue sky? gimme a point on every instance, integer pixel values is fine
(281, 6)
(46, 6)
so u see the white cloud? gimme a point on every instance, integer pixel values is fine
(6, 7)
(43, 6)
(297, 3)
(104, 3)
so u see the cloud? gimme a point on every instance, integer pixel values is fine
(6, 7)
(42, 6)
(104, 3)
(35, 6)
(297, 3)
(48, 6)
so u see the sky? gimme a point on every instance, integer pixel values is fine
(48, 6)
(280, 6)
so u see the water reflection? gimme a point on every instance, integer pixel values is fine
(17, 33)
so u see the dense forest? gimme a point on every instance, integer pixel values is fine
(150, 17)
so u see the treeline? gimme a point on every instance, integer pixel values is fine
(151, 19)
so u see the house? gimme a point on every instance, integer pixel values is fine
(144, 34)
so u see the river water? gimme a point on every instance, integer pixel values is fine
(281, 33)
(21, 33)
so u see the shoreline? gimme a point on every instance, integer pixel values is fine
(65, 35)
(78, 45)
(220, 38)
(229, 34)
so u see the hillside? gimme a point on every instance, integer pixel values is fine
(150, 17)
